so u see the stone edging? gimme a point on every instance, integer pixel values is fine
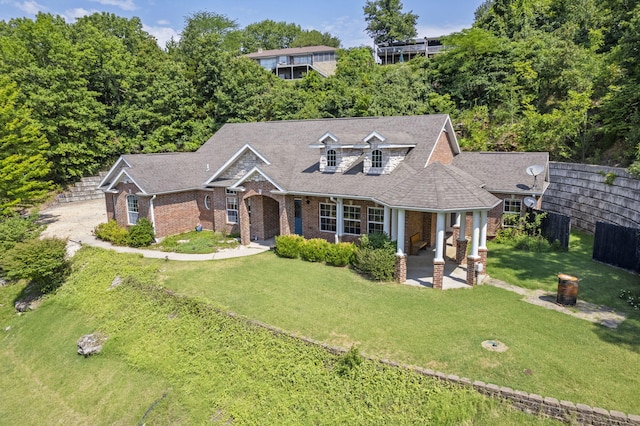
(529, 403)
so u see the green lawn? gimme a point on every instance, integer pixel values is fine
(196, 242)
(570, 359)
(182, 362)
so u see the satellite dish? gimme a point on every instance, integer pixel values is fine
(530, 202)
(534, 171)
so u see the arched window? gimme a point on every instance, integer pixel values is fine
(376, 159)
(331, 158)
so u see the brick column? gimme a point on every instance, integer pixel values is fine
(461, 251)
(471, 270)
(401, 268)
(456, 235)
(438, 273)
(245, 226)
(482, 252)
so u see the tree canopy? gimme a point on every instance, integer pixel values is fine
(551, 75)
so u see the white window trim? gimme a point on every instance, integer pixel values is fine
(373, 164)
(234, 201)
(130, 211)
(510, 212)
(207, 202)
(369, 221)
(346, 220)
(335, 158)
(334, 210)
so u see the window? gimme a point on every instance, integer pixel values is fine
(232, 207)
(512, 206)
(375, 219)
(331, 158)
(302, 60)
(376, 159)
(132, 209)
(511, 212)
(327, 217)
(352, 220)
(207, 202)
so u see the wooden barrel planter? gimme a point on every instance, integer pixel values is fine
(567, 290)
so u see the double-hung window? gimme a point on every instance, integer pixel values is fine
(232, 207)
(511, 212)
(375, 220)
(352, 220)
(376, 159)
(331, 158)
(132, 209)
(327, 217)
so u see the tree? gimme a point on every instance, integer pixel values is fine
(386, 23)
(269, 35)
(315, 38)
(23, 167)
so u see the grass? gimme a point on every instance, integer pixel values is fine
(570, 359)
(196, 242)
(177, 360)
(599, 283)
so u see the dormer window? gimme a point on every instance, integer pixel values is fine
(376, 159)
(331, 158)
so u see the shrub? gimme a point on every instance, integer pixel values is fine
(524, 233)
(377, 240)
(112, 232)
(43, 262)
(378, 264)
(314, 250)
(15, 229)
(340, 254)
(141, 234)
(289, 245)
(349, 362)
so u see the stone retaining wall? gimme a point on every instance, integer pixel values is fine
(591, 194)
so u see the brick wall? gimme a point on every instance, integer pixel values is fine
(180, 212)
(442, 152)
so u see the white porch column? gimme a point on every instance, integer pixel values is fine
(463, 226)
(483, 229)
(475, 238)
(339, 220)
(400, 232)
(440, 225)
(387, 221)
(394, 224)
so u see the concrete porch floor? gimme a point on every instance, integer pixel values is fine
(420, 269)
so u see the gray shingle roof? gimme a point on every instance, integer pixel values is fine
(294, 166)
(290, 51)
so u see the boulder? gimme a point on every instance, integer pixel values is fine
(90, 344)
(117, 281)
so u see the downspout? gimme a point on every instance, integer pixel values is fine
(152, 213)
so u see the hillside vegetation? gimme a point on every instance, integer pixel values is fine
(552, 75)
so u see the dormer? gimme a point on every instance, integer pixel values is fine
(383, 153)
(337, 155)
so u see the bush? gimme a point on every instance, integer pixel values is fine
(141, 234)
(289, 245)
(524, 233)
(349, 362)
(43, 262)
(378, 264)
(16, 229)
(112, 232)
(340, 254)
(314, 250)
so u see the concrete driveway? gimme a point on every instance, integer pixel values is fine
(75, 221)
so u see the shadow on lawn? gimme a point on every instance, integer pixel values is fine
(627, 334)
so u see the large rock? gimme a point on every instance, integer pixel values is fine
(90, 344)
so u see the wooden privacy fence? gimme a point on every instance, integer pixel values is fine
(555, 226)
(617, 245)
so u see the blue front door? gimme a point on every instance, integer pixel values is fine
(298, 216)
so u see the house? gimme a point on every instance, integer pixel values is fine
(401, 51)
(334, 179)
(294, 63)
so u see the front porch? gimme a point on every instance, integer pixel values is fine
(420, 269)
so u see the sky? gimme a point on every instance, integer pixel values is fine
(342, 18)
